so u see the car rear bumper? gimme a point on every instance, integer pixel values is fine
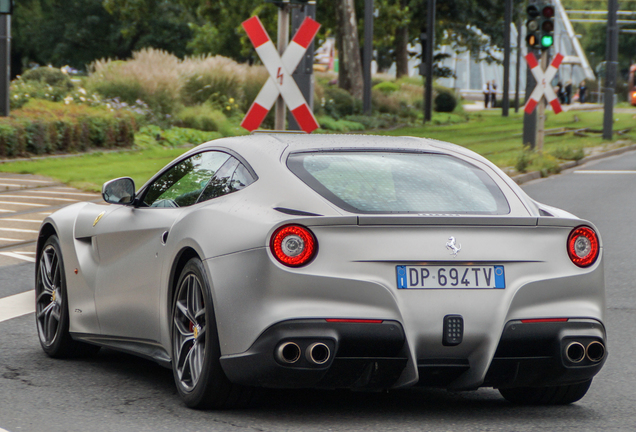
(373, 355)
(366, 355)
(534, 354)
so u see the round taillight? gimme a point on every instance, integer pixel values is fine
(583, 246)
(293, 245)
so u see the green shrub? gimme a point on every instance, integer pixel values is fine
(254, 79)
(524, 160)
(375, 122)
(22, 91)
(201, 117)
(152, 135)
(445, 102)
(151, 77)
(529, 160)
(331, 124)
(49, 75)
(386, 87)
(386, 103)
(221, 77)
(338, 102)
(44, 127)
(567, 153)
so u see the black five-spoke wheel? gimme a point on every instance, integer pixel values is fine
(196, 353)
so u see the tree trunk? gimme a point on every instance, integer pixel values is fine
(349, 63)
(401, 52)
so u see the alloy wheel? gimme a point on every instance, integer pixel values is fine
(49, 301)
(189, 332)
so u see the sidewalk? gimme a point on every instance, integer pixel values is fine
(479, 106)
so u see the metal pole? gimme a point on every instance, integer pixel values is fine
(518, 69)
(304, 74)
(283, 39)
(505, 105)
(611, 67)
(430, 45)
(5, 63)
(530, 120)
(368, 53)
(541, 107)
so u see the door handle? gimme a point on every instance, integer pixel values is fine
(164, 237)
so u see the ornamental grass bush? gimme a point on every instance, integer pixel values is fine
(166, 83)
(45, 127)
(151, 76)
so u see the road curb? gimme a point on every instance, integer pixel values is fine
(534, 175)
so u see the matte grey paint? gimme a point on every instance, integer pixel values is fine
(123, 267)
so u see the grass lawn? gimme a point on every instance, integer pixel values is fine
(499, 138)
(90, 171)
(486, 132)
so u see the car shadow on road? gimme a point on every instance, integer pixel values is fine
(307, 405)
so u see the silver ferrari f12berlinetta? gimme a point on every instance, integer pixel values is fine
(297, 261)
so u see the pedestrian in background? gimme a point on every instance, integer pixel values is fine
(568, 92)
(582, 91)
(559, 92)
(486, 90)
(493, 94)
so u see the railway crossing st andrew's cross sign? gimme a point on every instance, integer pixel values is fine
(281, 81)
(543, 87)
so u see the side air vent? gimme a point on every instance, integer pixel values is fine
(294, 212)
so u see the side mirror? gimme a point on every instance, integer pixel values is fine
(119, 191)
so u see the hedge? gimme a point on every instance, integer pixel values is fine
(45, 127)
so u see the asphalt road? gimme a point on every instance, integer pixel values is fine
(117, 392)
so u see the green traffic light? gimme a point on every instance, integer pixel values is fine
(547, 41)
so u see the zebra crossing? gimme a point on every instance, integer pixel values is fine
(25, 200)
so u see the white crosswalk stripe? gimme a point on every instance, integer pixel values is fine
(17, 305)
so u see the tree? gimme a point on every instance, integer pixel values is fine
(85, 31)
(349, 63)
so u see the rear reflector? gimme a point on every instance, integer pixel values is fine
(355, 321)
(544, 320)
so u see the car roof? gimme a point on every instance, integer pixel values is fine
(276, 144)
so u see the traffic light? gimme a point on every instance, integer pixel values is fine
(540, 25)
(533, 26)
(547, 26)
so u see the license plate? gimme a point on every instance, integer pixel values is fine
(450, 277)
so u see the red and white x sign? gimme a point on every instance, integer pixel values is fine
(543, 83)
(280, 71)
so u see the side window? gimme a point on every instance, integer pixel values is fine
(182, 184)
(231, 177)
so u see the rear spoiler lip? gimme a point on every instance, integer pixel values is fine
(439, 220)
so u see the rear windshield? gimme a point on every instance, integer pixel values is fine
(399, 182)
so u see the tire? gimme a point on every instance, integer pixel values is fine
(196, 352)
(558, 395)
(51, 305)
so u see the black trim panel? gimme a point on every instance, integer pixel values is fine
(145, 348)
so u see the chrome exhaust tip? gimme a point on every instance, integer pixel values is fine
(595, 351)
(288, 352)
(318, 353)
(575, 352)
